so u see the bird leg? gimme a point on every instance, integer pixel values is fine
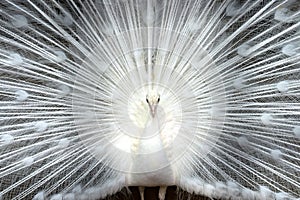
(162, 192)
(142, 189)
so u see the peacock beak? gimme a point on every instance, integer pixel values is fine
(153, 108)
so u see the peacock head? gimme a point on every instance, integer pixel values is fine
(152, 99)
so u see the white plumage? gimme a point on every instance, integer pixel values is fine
(99, 95)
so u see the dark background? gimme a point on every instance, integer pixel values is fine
(151, 193)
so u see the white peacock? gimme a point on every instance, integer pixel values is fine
(99, 95)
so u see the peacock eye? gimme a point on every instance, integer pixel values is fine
(147, 100)
(158, 99)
